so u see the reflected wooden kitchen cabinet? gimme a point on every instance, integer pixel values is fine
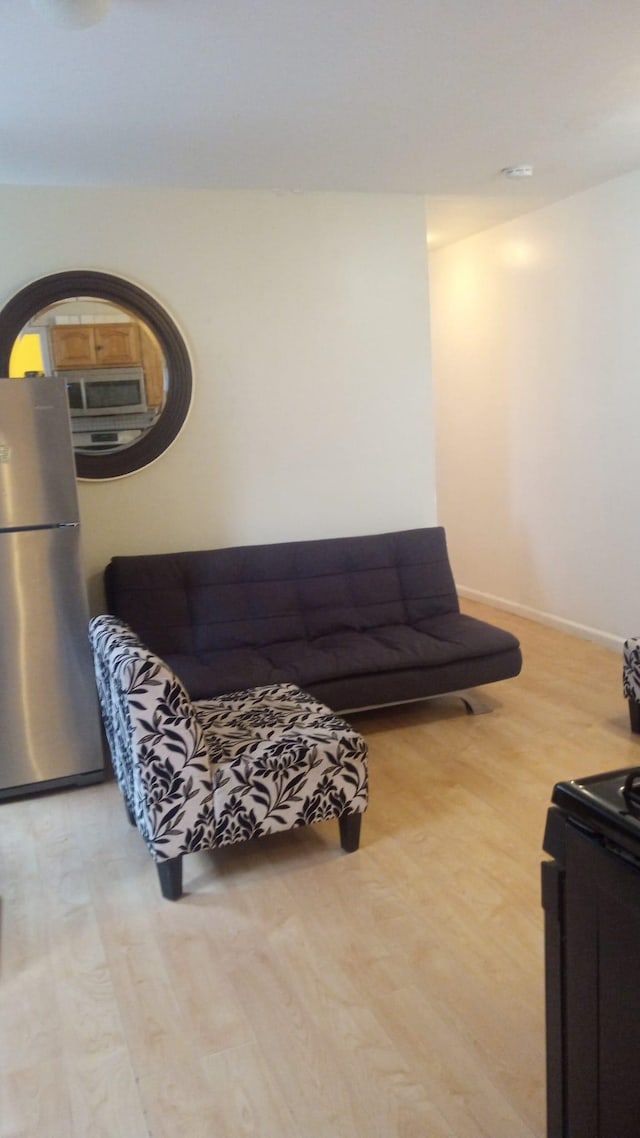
(95, 345)
(154, 367)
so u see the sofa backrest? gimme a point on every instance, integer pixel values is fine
(186, 603)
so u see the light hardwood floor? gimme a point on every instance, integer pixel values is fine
(297, 991)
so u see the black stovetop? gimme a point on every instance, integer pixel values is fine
(607, 804)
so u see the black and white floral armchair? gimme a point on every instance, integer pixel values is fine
(631, 680)
(196, 775)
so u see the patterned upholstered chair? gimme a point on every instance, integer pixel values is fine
(202, 774)
(631, 679)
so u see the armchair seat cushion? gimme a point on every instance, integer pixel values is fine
(279, 759)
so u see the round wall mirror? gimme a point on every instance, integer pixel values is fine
(124, 362)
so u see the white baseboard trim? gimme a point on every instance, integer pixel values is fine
(548, 618)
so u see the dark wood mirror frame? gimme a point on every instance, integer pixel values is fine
(63, 286)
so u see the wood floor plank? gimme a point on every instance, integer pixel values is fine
(242, 1086)
(104, 1096)
(35, 1099)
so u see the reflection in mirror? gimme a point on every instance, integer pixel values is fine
(80, 323)
(112, 363)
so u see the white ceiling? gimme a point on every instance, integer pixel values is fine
(431, 97)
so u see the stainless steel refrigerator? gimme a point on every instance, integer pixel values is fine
(50, 732)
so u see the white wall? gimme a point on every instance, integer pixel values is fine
(306, 319)
(536, 364)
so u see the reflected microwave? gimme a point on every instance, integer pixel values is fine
(105, 391)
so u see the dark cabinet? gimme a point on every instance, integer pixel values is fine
(591, 898)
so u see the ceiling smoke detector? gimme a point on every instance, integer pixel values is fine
(72, 13)
(521, 171)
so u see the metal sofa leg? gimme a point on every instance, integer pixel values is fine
(634, 716)
(170, 875)
(473, 704)
(350, 831)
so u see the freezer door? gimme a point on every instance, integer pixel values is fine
(49, 719)
(37, 467)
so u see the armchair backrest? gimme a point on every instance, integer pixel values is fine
(160, 755)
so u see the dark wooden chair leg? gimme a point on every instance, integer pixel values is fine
(350, 831)
(170, 875)
(634, 716)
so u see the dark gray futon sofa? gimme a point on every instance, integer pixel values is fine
(357, 622)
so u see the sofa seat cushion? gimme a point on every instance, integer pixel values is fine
(433, 643)
(229, 670)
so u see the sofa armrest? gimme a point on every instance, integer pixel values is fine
(160, 755)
